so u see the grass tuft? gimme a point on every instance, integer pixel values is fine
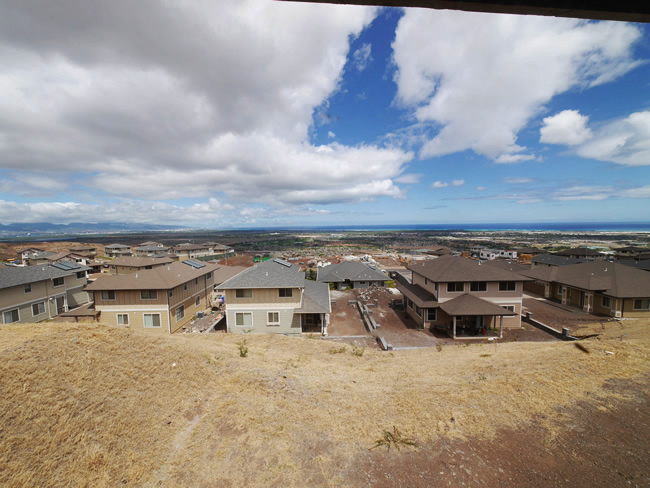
(393, 439)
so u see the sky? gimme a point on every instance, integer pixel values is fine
(253, 113)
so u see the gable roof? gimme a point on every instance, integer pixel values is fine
(556, 260)
(316, 298)
(117, 246)
(472, 305)
(449, 268)
(160, 278)
(349, 270)
(269, 274)
(18, 275)
(140, 262)
(613, 279)
(644, 265)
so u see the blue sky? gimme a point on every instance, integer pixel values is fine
(262, 113)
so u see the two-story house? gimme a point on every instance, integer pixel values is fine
(117, 250)
(36, 293)
(192, 251)
(132, 264)
(162, 299)
(274, 297)
(462, 296)
(157, 250)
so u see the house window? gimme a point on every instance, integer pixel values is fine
(57, 282)
(180, 313)
(11, 316)
(511, 308)
(606, 302)
(507, 285)
(122, 319)
(455, 287)
(152, 320)
(197, 302)
(148, 267)
(38, 308)
(243, 319)
(478, 286)
(28, 288)
(410, 303)
(244, 293)
(81, 275)
(208, 276)
(185, 286)
(426, 281)
(273, 318)
(418, 311)
(171, 293)
(148, 294)
(362, 283)
(196, 281)
(286, 292)
(108, 295)
(560, 289)
(642, 304)
(432, 314)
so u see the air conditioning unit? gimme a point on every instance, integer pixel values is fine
(617, 314)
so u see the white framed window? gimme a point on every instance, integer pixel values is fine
(122, 319)
(286, 292)
(38, 308)
(418, 311)
(273, 318)
(151, 320)
(11, 316)
(208, 276)
(642, 304)
(560, 289)
(432, 314)
(243, 319)
(180, 312)
(184, 286)
(197, 302)
(108, 295)
(148, 294)
(56, 282)
(478, 286)
(81, 274)
(509, 307)
(362, 283)
(507, 285)
(606, 302)
(410, 303)
(455, 287)
(28, 287)
(244, 293)
(196, 281)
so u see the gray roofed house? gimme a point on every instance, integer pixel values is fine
(40, 292)
(644, 264)
(351, 273)
(545, 260)
(582, 252)
(116, 250)
(274, 297)
(598, 286)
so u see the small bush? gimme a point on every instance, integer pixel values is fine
(439, 347)
(358, 351)
(243, 348)
(340, 350)
(394, 439)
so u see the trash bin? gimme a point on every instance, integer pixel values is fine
(199, 315)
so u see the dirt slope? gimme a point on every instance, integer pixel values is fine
(89, 405)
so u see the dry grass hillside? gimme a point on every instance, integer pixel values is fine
(89, 405)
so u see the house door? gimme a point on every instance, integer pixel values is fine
(582, 299)
(60, 305)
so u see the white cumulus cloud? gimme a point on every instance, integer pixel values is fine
(568, 127)
(362, 57)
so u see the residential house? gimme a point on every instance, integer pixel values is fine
(162, 299)
(132, 264)
(85, 250)
(642, 264)
(117, 250)
(548, 260)
(274, 297)
(462, 296)
(630, 252)
(23, 255)
(582, 253)
(597, 287)
(150, 251)
(36, 293)
(192, 251)
(57, 257)
(351, 274)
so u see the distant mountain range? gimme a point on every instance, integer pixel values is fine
(45, 228)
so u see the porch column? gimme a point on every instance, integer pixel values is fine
(589, 302)
(324, 323)
(501, 327)
(547, 290)
(454, 327)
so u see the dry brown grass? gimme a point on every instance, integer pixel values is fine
(89, 405)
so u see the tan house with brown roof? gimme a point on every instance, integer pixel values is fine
(162, 299)
(462, 296)
(598, 287)
(132, 264)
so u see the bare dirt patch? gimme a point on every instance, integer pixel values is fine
(559, 316)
